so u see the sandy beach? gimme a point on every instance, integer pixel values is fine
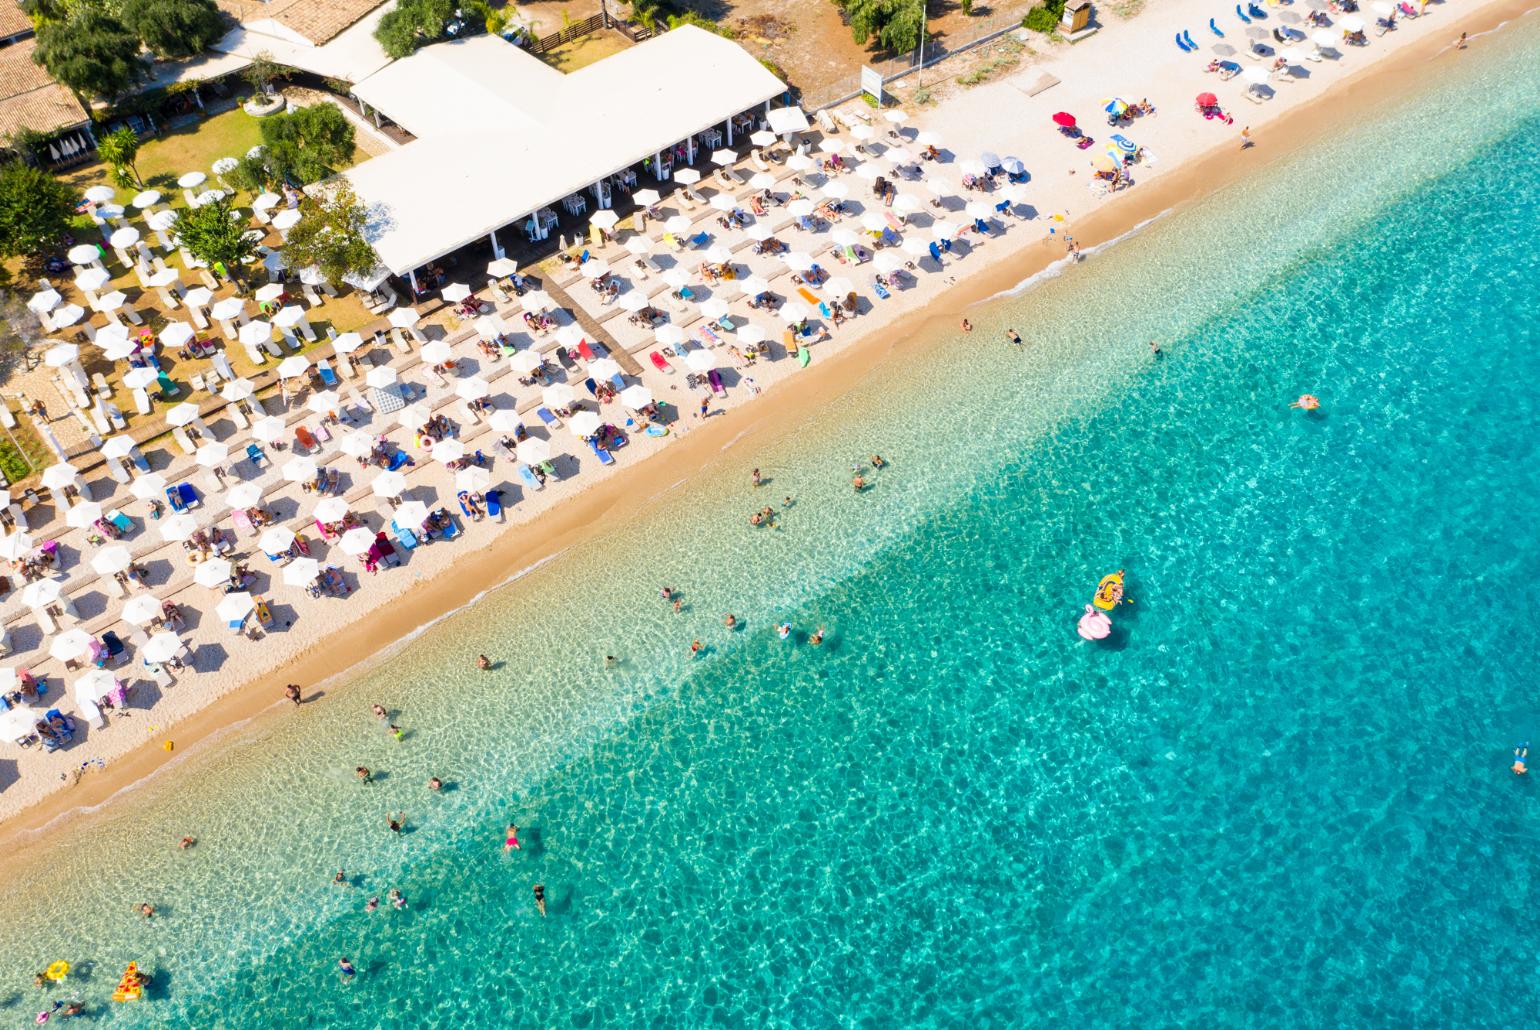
(330, 638)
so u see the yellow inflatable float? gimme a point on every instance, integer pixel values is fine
(57, 971)
(131, 987)
(1109, 591)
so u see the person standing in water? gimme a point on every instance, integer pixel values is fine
(292, 693)
(540, 897)
(345, 968)
(483, 663)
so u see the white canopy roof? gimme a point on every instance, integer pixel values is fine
(501, 134)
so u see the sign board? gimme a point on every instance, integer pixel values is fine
(871, 82)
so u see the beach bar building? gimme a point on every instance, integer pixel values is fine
(503, 139)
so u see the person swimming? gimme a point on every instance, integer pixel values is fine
(373, 906)
(730, 620)
(396, 898)
(1521, 759)
(1307, 402)
(540, 897)
(877, 462)
(511, 839)
(817, 637)
(784, 630)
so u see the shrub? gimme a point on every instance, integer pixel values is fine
(1043, 19)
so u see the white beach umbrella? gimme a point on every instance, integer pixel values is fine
(475, 479)
(701, 360)
(454, 293)
(896, 115)
(800, 208)
(148, 487)
(759, 231)
(237, 390)
(404, 318)
(100, 194)
(799, 162)
(838, 286)
(718, 254)
(723, 201)
(830, 145)
(687, 176)
(798, 260)
(500, 267)
(603, 368)
(713, 309)
(276, 539)
(411, 513)
(357, 540)
(268, 429)
(668, 334)
(234, 607)
(533, 451)
(17, 723)
(243, 495)
(141, 610)
(212, 454)
(380, 376)
(347, 343)
(906, 204)
(57, 477)
(1350, 23)
(356, 444)
(636, 396)
(723, 157)
(584, 423)
(177, 527)
(82, 514)
(1255, 74)
(70, 645)
(677, 224)
(474, 388)
(862, 132)
(603, 219)
(751, 334)
(929, 139)
(887, 261)
(299, 469)
(162, 647)
(794, 311)
(835, 190)
(390, 483)
(213, 573)
(557, 395)
(41, 592)
(184, 414)
(293, 366)
(111, 560)
(504, 420)
(301, 572)
(915, 246)
(762, 181)
(325, 402)
(677, 277)
(593, 268)
(646, 197)
(753, 285)
(631, 300)
(536, 301)
(570, 335)
(331, 509)
(638, 245)
(843, 237)
(447, 451)
(525, 360)
(14, 546)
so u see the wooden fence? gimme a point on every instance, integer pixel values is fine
(577, 30)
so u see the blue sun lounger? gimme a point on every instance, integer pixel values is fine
(328, 377)
(1215, 29)
(405, 537)
(550, 420)
(122, 523)
(1241, 14)
(494, 503)
(528, 477)
(880, 290)
(604, 456)
(935, 251)
(254, 455)
(181, 497)
(140, 461)
(399, 459)
(451, 529)
(700, 239)
(1181, 45)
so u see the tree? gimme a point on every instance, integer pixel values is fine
(897, 25)
(211, 233)
(35, 210)
(263, 71)
(307, 145)
(174, 28)
(120, 149)
(330, 236)
(411, 24)
(92, 54)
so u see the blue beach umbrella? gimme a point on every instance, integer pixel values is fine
(1013, 166)
(1115, 106)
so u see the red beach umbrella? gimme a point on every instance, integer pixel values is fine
(1207, 100)
(1065, 119)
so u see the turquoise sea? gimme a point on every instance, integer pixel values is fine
(1278, 795)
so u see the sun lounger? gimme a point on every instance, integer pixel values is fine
(807, 295)
(465, 509)
(405, 537)
(604, 456)
(708, 338)
(586, 351)
(528, 478)
(242, 522)
(826, 123)
(494, 503)
(254, 455)
(1241, 14)
(672, 242)
(591, 386)
(122, 523)
(399, 460)
(550, 420)
(880, 290)
(328, 377)
(716, 381)
(700, 239)
(660, 363)
(303, 437)
(141, 401)
(181, 497)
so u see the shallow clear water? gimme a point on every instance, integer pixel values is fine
(1278, 796)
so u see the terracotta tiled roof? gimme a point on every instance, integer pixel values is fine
(13, 20)
(316, 20)
(29, 96)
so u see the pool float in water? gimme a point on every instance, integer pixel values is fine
(131, 987)
(57, 971)
(1094, 625)
(1109, 591)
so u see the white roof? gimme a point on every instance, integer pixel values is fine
(501, 135)
(354, 54)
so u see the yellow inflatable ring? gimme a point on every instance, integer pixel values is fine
(58, 971)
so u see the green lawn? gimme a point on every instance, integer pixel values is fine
(580, 53)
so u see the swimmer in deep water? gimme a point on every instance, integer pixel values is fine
(373, 906)
(784, 630)
(345, 968)
(540, 897)
(729, 620)
(1521, 759)
(1307, 402)
(434, 783)
(696, 647)
(511, 839)
(817, 637)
